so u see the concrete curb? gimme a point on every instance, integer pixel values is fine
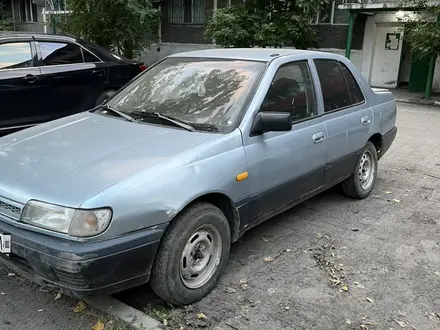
(135, 318)
(432, 103)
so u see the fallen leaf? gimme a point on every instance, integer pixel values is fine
(370, 300)
(165, 322)
(58, 296)
(201, 316)
(396, 200)
(2, 293)
(41, 310)
(287, 250)
(287, 308)
(244, 287)
(243, 281)
(268, 259)
(80, 307)
(401, 323)
(99, 325)
(265, 240)
(231, 290)
(344, 288)
(11, 274)
(319, 235)
(388, 192)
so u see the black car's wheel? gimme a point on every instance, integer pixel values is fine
(101, 98)
(361, 182)
(192, 255)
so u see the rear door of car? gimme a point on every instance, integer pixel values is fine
(20, 84)
(347, 116)
(73, 77)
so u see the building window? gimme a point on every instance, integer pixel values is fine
(186, 12)
(28, 11)
(331, 14)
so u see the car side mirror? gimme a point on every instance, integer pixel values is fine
(269, 121)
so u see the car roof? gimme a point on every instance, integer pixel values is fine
(18, 34)
(249, 54)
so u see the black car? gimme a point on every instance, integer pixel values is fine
(44, 77)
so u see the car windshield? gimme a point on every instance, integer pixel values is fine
(204, 93)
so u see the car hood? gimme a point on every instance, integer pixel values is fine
(69, 160)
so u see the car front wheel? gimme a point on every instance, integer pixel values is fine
(361, 182)
(192, 255)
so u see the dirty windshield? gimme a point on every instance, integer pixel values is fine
(204, 93)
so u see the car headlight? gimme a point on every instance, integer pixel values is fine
(74, 222)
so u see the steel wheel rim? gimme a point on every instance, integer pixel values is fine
(367, 170)
(201, 256)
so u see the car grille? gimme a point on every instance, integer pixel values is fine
(9, 210)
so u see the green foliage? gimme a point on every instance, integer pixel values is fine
(421, 30)
(266, 23)
(125, 26)
(5, 19)
(424, 38)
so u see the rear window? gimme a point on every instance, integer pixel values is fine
(57, 53)
(15, 55)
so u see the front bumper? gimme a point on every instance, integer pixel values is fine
(79, 268)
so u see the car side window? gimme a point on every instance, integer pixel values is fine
(333, 86)
(292, 91)
(89, 57)
(15, 55)
(356, 95)
(57, 53)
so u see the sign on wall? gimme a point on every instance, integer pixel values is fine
(392, 41)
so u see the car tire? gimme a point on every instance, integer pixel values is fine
(192, 255)
(361, 182)
(101, 98)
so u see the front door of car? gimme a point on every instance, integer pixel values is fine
(74, 77)
(285, 166)
(20, 86)
(347, 116)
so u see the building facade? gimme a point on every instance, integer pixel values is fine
(184, 23)
(387, 59)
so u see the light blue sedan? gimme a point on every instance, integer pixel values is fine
(155, 184)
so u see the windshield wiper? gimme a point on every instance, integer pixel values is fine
(120, 114)
(175, 121)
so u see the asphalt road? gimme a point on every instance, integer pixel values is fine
(337, 263)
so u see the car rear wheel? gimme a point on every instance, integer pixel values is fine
(192, 255)
(361, 182)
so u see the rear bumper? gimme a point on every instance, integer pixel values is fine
(83, 269)
(387, 140)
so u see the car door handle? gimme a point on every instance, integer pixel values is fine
(318, 137)
(365, 121)
(30, 78)
(98, 72)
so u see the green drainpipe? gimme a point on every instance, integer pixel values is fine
(429, 80)
(350, 34)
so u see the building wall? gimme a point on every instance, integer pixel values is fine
(335, 36)
(185, 33)
(381, 67)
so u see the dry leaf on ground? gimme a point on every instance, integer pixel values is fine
(80, 307)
